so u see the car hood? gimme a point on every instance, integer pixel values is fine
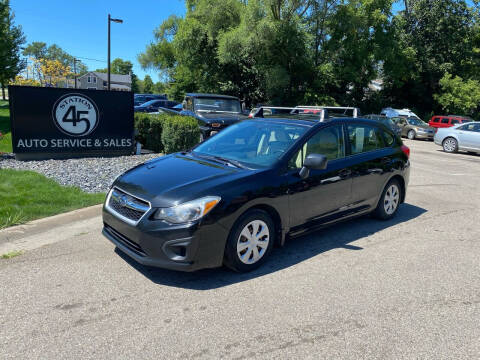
(222, 118)
(177, 178)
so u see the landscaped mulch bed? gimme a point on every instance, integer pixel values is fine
(89, 174)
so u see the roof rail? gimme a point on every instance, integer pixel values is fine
(354, 109)
(263, 110)
(322, 111)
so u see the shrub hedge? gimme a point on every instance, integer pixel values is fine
(166, 133)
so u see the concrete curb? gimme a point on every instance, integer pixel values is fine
(50, 229)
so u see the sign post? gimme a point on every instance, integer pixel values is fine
(51, 123)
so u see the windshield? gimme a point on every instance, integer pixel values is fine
(253, 143)
(413, 121)
(217, 105)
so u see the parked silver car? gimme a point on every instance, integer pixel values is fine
(463, 137)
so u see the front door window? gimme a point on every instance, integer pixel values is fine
(328, 142)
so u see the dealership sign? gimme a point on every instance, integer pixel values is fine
(60, 123)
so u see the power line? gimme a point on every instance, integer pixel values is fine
(79, 57)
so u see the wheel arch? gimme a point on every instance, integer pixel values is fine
(274, 214)
(401, 180)
(450, 135)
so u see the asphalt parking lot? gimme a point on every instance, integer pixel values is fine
(406, 288)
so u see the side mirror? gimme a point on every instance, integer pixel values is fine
(313, 162)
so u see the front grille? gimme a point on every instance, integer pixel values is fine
(126, 205)
(124, 240)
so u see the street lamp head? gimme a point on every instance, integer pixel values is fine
(120, 21)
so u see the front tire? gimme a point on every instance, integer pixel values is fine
(389, 202)
(450, 145)
(250, 241)
(411, 134)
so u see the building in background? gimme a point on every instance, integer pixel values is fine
(94, 80)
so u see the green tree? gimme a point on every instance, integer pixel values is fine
(11, 38)
(148, 85)
(123, 67)
(36, 49)
(39, 50)
(458, 96)
(288, 52)
(160, 87)
(434, 38)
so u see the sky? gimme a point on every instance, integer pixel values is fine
(80, 27)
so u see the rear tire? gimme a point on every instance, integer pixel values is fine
(389, 202)
(250, 241)
(450, 145)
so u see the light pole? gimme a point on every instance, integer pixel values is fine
(110, 19)
(75, 70)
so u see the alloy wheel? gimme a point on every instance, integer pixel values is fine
(253, 242)
(450, 145)
(391, 199)
(411, 134)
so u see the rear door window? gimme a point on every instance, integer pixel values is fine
(470, 127)
(364, 138)
(444, 120)
(455, 121)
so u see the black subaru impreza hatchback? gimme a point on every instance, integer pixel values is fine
(233, 197)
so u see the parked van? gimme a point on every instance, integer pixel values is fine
(390, 112)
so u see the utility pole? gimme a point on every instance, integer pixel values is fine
(110, 19)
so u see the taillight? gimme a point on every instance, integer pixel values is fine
(406, 150)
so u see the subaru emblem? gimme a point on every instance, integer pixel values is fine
(123, 200)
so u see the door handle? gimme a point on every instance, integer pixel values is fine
(345, 173)
(385, 160)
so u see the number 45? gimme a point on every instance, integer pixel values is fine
(76, 117)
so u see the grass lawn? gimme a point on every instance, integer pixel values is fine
(27, 195)
(6, 141)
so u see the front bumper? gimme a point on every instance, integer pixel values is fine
(423, 135)
(186, 247)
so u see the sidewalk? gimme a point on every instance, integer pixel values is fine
(50, 230)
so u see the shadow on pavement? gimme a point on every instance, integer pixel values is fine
(295, 251)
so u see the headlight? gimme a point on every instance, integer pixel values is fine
(189, 211)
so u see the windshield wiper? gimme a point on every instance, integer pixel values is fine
(235, 163)
(221, 160)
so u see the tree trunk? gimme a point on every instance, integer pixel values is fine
(3, 92)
